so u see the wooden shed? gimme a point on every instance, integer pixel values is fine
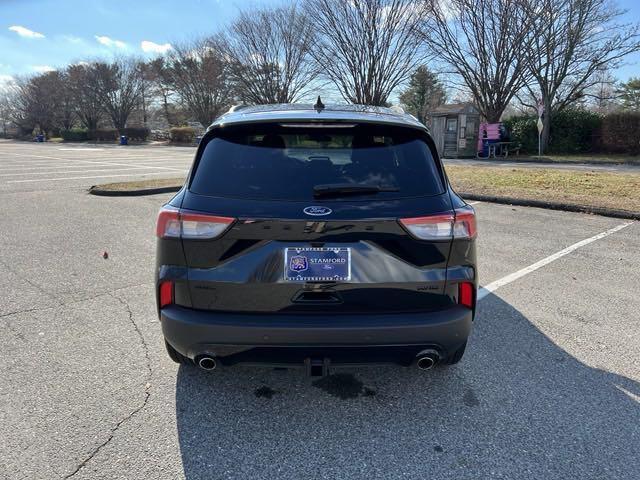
(454, 128)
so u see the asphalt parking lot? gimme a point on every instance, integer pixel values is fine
(38, 166)
(549, 387)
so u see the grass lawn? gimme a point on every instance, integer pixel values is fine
(597, 189)
(143, 184)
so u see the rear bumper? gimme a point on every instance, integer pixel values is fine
(290, 338)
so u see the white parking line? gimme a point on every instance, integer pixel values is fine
(73, 163)
(72, 171)
(67, 159)
(88, 164)
(79, 178)
(117, 164)
(493, 286)
(35, 166)
(81, 149)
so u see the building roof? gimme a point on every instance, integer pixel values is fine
(307, 113)
(454, 109)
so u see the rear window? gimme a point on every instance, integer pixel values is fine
(286, 162)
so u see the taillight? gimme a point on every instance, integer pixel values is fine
(461, 223)
(176, 223)
(168, 224)
(166, 293)
(465, 224)
(465, 294)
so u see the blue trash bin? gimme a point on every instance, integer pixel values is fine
(40, 137)
(124, 140)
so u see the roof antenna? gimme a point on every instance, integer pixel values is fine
(319, 106)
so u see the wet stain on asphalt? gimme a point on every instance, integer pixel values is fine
(343, 386)
(368, 392)
(265, 392)
(470, 399)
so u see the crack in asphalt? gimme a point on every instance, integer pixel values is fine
(71, 302)
(134, 412)
(27, 310)
(33, 284)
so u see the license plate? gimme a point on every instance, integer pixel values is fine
(311, 264)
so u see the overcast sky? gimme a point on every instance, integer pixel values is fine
(36, 35)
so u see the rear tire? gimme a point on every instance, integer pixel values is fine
(177, 356)
(456, 356)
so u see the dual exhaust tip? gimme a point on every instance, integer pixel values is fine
(427, 359)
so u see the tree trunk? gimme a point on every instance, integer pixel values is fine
(166, 110)
(546, 122)
(492, 115)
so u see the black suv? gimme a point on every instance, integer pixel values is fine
(316, 236)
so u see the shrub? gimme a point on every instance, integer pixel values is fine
(75, 135)
(183, 134)
(523, 130)
(572, 131)
(136, 133)
(103, 134)
(620, 133)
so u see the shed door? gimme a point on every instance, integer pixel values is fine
(437, 132)
(451, 137)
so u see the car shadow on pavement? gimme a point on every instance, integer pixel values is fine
(518, 406)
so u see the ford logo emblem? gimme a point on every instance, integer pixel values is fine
(317, 211)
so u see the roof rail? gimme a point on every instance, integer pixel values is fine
(235, 108)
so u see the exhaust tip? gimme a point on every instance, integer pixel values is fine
(207, 363)
(427, 360)
(426, 363)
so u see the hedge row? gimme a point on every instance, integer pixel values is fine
(620, 133)
(74, 135)
(81, 134)
(572, 131)
(183, 134)
(580, 131)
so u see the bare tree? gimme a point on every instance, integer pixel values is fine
(83, 85)
(572, 40)
(161, 88)
(602, 96)
(66, 116)
(37, 102)
(269, 54)
(481, 41)
(119, 86)
(147, 87)
(21, 100)
(367, 48)
(6, 107)
(197, 72)
(423, 94)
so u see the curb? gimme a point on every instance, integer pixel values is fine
(606, 212)
(545, 161)
(96, 190)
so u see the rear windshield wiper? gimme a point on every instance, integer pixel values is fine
(340, 189)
